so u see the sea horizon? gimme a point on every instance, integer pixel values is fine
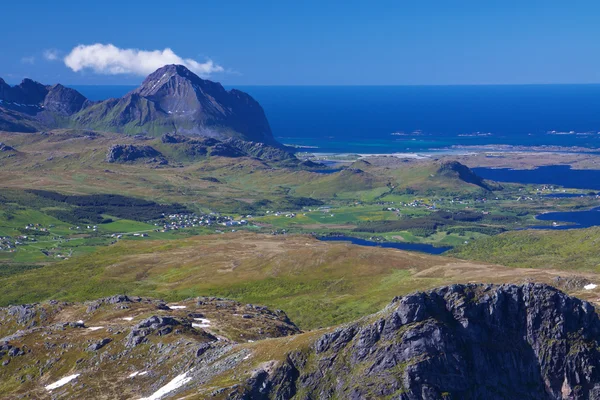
(373, 119)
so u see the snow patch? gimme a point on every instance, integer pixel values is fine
(176, 307)
(127, 318)
(62, 382)
(204, 323)
(95, 328)
(590, 286)
(175, 383)
(136, 373)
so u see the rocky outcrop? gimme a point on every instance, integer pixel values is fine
(157, 325)
(197, 146)
(4, 148)
(120, 299)
(144, 343)
(99, 344)
(120, 153)
(456, 170)
(457, 342)
(259, 150)
(23, 314)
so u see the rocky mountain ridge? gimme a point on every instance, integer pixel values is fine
(185, 148)
(60, 350)
(470, 341)
(457, 342)
(170, 99)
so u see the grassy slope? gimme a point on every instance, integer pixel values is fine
(316, 283)
(70, 162)
(572, 249)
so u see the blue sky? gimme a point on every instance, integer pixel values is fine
(312, 42)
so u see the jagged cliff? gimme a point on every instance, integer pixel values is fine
(31, 106)
(456, 342)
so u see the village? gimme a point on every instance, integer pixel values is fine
(7, 244)
(183, 221)
(32, 235)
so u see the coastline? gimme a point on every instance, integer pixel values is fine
(492, 156)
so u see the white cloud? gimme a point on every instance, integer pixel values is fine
(28, 60)
(111, 60)
(51, 54)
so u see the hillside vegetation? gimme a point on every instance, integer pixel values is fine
(571, 249)
(317, 283)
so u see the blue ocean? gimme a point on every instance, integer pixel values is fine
(390, 119)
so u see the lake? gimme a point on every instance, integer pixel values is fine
(569, 195)
(582, 219)
(423, 248)
(561, 175)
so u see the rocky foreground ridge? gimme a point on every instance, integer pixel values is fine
(457, 342)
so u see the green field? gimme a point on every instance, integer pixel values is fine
(78, 205)
(574, 250)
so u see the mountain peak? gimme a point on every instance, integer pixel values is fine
(174, 69)
(174, 74)
(166, 72)
(171, 99)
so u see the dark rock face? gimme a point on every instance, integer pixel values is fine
(464, 173)
(99, 344)
(33, 98)
(12, 351)
(31, 106)
(28, 92)
(259, 150)
(129, 152)
(456, 342)
(64, 101)
(173, 138)
(119, 299)
(23, 314)
(159, 325)
(197, 146)
(5, 148)
(173, 97)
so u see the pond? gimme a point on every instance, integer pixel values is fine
(423, 248)
(581, 219)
